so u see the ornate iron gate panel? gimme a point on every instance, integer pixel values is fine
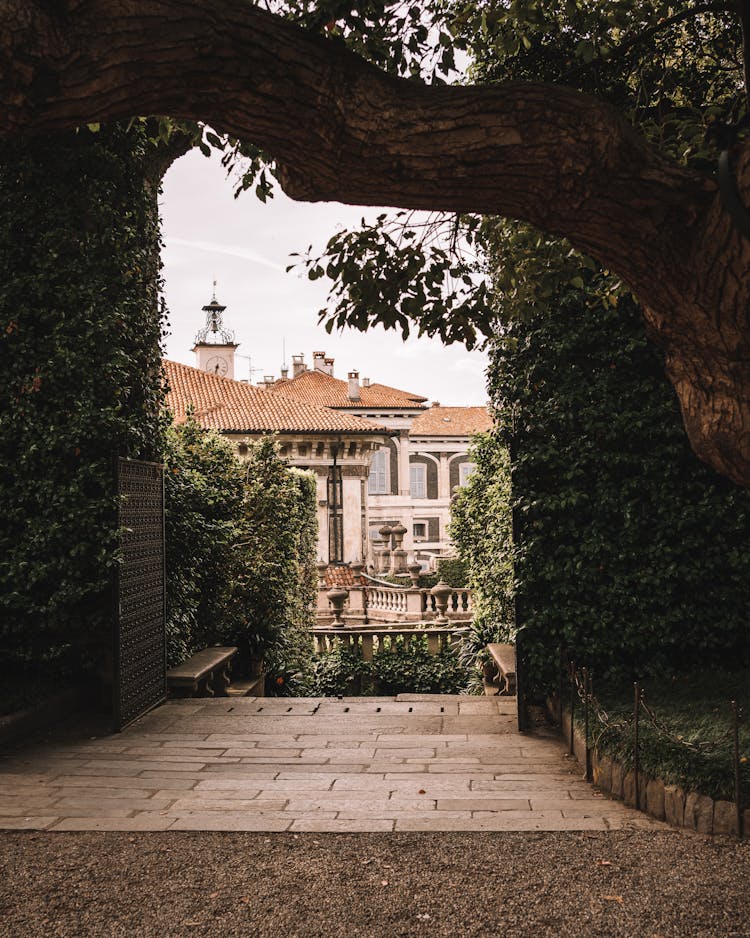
(140, 671)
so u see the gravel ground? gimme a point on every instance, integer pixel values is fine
(644, 884)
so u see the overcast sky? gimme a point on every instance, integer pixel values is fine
(245, 246)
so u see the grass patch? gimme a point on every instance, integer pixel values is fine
(692, 746)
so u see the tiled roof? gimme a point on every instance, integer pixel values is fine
(319, 388)
(451, 421)
(235, 407)
(340, 576)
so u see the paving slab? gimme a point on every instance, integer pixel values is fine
(412, 763)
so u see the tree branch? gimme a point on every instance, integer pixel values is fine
(342, 130)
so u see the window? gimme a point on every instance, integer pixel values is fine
(419, 531)
(377, 483)
(465, 469)
(418, 481)
(335, 516)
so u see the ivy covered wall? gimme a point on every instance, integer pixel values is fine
(628, 549)
(79, 380)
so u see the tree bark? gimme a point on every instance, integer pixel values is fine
(341, 129)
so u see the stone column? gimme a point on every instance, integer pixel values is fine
(403, 463)
(444, 477)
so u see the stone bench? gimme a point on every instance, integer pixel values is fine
(204, 674)
(504, 660)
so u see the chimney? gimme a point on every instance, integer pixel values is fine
(284, 374)
(319, 361)
(268, 380)
(354, 386)
(328, 368)
(298, 365)
(436, 403)
(365, 382)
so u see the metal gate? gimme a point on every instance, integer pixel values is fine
(140, 671)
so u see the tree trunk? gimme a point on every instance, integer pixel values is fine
(341, 129)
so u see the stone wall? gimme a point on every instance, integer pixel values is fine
(670, 803)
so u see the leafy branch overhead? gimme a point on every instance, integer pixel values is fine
(540, 140)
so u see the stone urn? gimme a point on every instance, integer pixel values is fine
(356, 566)
(384, 564)
(398, 531)
(337, 597)
(415, 571)
(442, 592)
(321, 566)
(399, 554)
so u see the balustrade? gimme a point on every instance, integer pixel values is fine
(379, 602)
(371, 640)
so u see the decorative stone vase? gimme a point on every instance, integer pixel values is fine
(321, 566)
(442, 592)
(398, 531)
(415, 571)
(384, 565)
(356, 567)
(385, 532)
(337, 597)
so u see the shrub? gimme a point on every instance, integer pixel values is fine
(275, 591)
(204, 490)
(482, 530)
(240, 549)
(413, 670)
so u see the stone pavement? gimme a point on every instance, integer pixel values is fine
(406, 763)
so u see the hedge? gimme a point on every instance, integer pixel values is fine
(79, 381)
(628, 551)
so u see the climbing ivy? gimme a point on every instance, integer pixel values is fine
(80, 380)
(629, 551)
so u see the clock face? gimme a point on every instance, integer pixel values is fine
(217, 365)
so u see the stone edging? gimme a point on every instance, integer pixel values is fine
(670, 803)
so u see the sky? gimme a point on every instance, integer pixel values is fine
(245, 245)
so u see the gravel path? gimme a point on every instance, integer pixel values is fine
(624, 883)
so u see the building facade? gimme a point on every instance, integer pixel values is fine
(382, 457)
(415, 472)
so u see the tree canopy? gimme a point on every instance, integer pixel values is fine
(552, 144)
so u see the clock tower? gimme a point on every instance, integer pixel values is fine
(214, 345)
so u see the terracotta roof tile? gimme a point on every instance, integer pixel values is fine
(235, 407)
(451, 421)
(319, 388)
(340, 576)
